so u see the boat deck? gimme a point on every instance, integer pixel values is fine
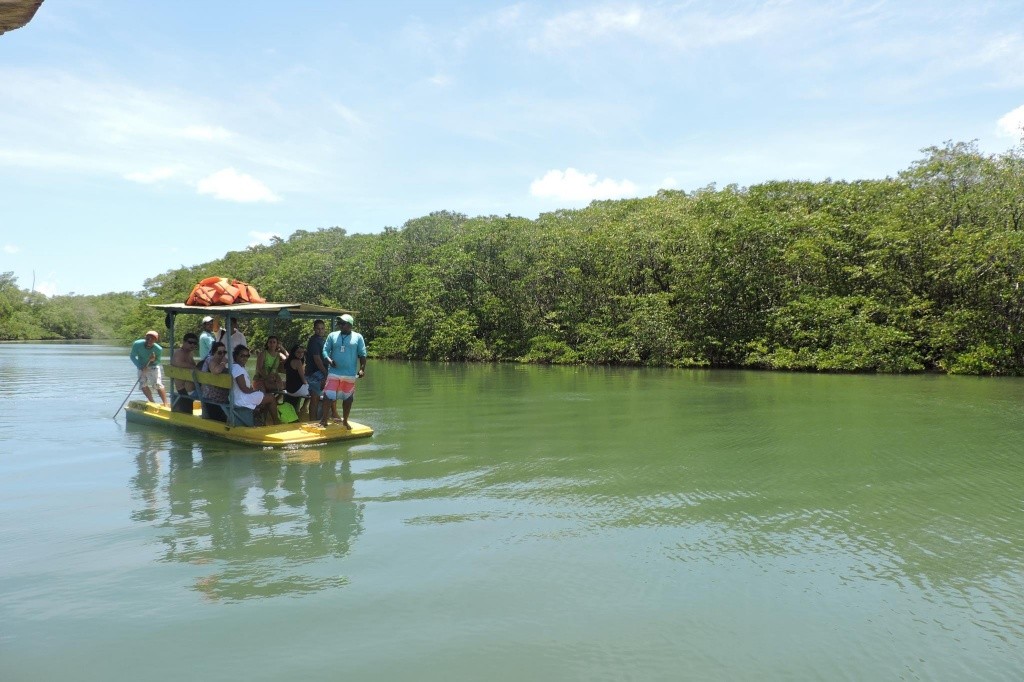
(298, 433)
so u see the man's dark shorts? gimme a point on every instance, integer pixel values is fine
(316, 383)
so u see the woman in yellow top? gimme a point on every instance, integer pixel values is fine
(271, 359)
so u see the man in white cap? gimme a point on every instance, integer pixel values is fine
(206, 338)
(146, 354)
(344, 351)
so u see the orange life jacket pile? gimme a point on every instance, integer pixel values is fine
(222, 291)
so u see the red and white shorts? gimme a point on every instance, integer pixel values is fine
(339, 387)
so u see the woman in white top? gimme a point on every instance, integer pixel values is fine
(242, 390)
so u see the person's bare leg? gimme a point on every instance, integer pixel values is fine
(346, 407)
(148, 393)
(163, 395)
(328, 409)
(314, 403)
(269, 406)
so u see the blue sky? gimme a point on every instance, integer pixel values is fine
(137, 137)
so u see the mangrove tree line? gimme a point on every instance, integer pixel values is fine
(918, 272)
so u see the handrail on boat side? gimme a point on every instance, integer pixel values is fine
(197, 377)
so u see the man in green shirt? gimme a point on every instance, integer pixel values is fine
(146, 354)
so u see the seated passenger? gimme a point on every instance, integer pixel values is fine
(245, 394)
(215, 363)
(182, 357)
(295, 386)
(271, 359)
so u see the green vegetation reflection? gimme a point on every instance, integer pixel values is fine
(254, 525)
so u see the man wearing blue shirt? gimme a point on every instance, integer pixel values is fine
(345, 355)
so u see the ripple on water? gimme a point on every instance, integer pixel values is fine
(729, 525)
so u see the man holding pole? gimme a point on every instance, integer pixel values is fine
(146, 354)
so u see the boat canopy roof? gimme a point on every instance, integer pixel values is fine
(281, 311)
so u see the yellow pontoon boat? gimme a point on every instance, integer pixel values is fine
(238, 426)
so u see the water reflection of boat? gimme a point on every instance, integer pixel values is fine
(256, 525)
(239, 426)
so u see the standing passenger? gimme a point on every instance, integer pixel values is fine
(146, 354)
(237, 337)
(206, 338)
(344, 351)
(316, 371)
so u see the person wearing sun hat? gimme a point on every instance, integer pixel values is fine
(206, 338)
(146, 354)
(345, 356)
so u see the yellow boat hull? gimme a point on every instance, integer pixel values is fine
(298, 433)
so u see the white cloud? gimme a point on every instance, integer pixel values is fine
(206, 133)
(65, 122)
(440, 80)
(151, 176)
(231, 185)
(11, 248)
(259, 238)
(1011, 124)
(679, 29)
(669, 183)
(48, 289)
(572, 185)
(489, 24)
(347, 114)
(1002, 56)
(54, 161)
(577, 27)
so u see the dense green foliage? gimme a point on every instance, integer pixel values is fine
(912, 273)
(30, 315)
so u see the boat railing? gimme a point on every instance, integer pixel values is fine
(197, 377)
(244, 311)
(237, 416)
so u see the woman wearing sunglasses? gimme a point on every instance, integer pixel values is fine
(245, 394)
(215, 363)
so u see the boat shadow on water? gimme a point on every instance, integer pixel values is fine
(255, 524)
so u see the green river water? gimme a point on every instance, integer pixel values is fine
(519, 523)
